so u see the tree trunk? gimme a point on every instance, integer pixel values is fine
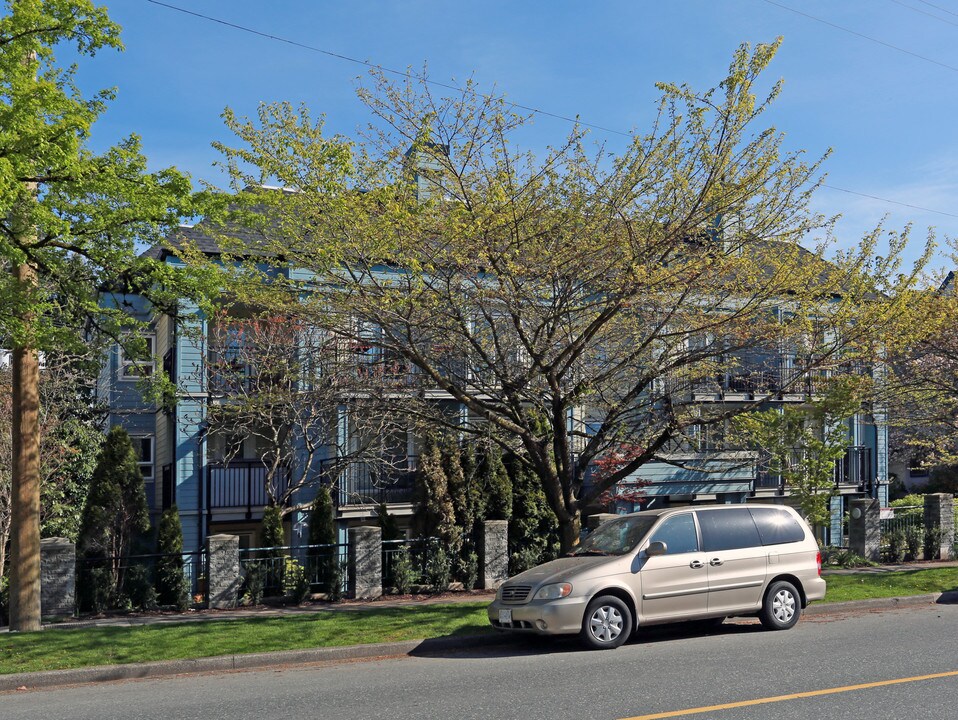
(569, 532)
(25, 527)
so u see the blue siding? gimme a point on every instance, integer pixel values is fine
(715, 476)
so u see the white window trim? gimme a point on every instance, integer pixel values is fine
(152, 463)
(151, 363)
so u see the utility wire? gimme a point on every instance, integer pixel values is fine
(383, 68)
(861, 35)
(925, 12)
(894, 202)
(938, 7)
(405, 74)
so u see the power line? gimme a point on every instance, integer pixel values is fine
(925, 12)
(938, 7)
(861, 35)
(383, 68)
(412, 76)
(894, 202)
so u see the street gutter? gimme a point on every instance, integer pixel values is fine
(225, 663)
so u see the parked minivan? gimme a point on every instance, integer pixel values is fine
(671, 565)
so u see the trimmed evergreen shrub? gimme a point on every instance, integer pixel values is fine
(272, 536)
(388, 524)
(138, 590)
(438, 570)
(496, 485)
(114, 514)
(404, 571)
(172, 587)
(931, 544)
(295, 582)
(322, 522)
(254, 583)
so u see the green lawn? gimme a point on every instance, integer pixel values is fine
(60, 649)
(862, 586)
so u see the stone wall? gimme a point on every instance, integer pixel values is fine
(57, 577)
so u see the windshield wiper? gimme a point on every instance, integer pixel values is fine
(583, 553)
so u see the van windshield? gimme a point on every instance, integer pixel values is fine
(616, 537)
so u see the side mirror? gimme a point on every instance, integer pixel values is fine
(656, 548)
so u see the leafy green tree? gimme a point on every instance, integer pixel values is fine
(172, 587)
(802, 444)
(71, 220)
(115, 512)
(585, 289)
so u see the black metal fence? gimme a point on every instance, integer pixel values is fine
(130, 582)
(322, 565)
(420, 551)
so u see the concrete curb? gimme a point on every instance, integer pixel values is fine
(108, 673)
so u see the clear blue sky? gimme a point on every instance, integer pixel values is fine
(887, 114)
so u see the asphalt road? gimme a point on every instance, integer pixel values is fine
(666, 672)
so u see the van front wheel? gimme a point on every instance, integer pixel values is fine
(607, 623)
(782, 606)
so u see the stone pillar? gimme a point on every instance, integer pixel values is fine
(57, 577)
(593, 521)
(366, 560)
(493, 553)
(940, 513)
(864, 528)
(223, 575)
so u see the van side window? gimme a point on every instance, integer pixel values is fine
(678, 534)
(777, 526)
(728, 529)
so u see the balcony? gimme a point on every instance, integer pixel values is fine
(239, 486)
(371, 482)
(852, 470)
(789, 381)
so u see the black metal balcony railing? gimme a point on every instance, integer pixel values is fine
(788, 379)
(854, 468)
(365, 482)
(240, 484)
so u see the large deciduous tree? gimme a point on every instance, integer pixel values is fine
(70, 219)
(572, 304)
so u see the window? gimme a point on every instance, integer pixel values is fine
(143, 447)
(776, 526)
(728, 529)
(131, 369)
(678, 534)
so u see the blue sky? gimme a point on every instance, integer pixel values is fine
(887, 114)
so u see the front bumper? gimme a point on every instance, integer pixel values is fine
(542, 617)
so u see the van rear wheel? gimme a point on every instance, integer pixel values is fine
(782, 606)
(607, 623)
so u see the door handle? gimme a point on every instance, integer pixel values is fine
(716, 561)
(696, 564)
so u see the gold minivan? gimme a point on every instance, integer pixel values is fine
(671, 565)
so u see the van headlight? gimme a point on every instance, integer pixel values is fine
(554, 592)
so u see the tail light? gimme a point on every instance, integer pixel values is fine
(818, 561)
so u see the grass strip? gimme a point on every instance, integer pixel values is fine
(866, 585)
(84, 647)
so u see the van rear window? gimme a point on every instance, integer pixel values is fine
(777, 526)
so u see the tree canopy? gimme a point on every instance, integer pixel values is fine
(576, 303)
